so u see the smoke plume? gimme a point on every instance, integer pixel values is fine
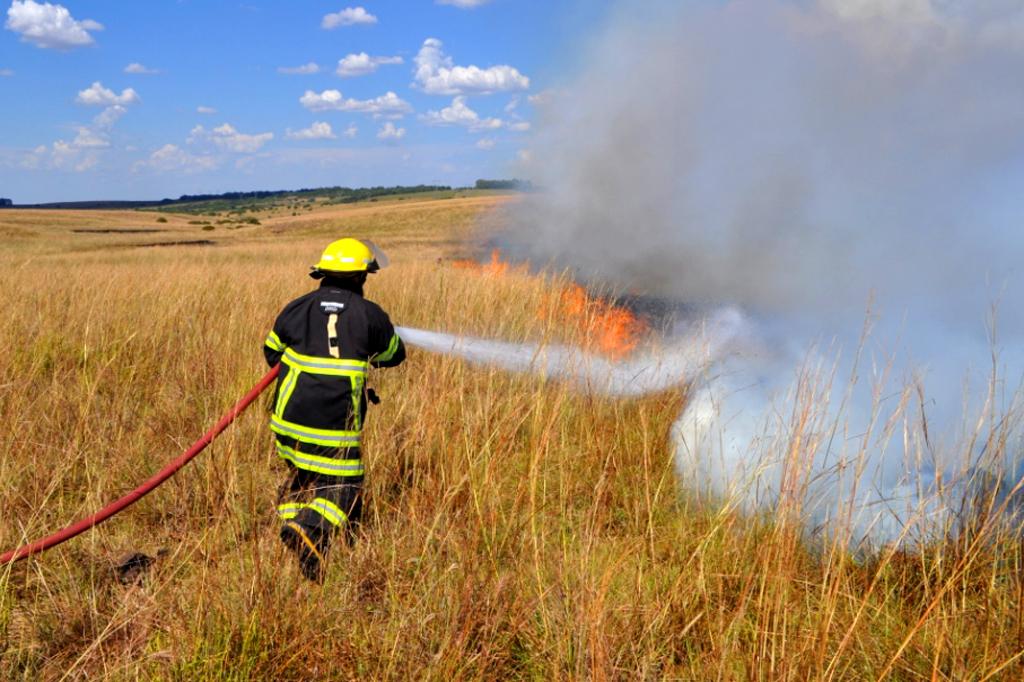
(821, 165)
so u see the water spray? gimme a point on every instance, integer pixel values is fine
(678, 362)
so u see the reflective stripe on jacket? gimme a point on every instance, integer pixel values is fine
(326, 341)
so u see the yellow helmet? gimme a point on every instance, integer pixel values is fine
(347, 255)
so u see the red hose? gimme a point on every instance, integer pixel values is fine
(102, 515)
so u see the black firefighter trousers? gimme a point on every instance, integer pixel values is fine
(321, 504)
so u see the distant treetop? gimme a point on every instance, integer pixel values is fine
(336, 192)
(514, 183)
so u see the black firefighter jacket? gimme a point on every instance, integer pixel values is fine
(325, 342)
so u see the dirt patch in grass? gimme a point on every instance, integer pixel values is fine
(130, 230)
(181, 242)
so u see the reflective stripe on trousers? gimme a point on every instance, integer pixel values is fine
(324, 507)
(328, 466)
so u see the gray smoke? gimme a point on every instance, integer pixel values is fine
(814, 163)
(788, 158)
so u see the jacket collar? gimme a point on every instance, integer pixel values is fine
(343, 283)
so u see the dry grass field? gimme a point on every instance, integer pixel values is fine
(515, 529)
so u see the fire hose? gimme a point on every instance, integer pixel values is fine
(134, 496)
(644, 375)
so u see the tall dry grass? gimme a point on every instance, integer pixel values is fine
(514, 529)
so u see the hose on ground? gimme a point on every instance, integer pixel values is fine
(155, 480)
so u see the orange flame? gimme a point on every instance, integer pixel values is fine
(495, 267)
(605, 327)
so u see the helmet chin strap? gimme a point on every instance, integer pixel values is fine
(316, 273)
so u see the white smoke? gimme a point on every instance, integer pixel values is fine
(815, 163)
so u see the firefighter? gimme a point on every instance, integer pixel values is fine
(326, 341)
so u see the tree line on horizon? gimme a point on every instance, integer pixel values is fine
(338, 194)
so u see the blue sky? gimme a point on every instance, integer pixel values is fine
(215, 100)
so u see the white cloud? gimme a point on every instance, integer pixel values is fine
(68, 156)
(519, 126)
(362, 64)
(97, 135)
(437, 75)
(463, 4)
(390, 133)
(318, 131)
(50, 26)
(138, 68)
(30, 161)
(458, 114)
(89, 138)
(97, 95)
(332, 100)
(351, 131)
(6, 73)
(524, 156)
(34, 159)
(485, 143)
(84, 151)
(205, 110)
(227, 137)
(349, 16)
(173, 158)
(304, 70)
(109, 116)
